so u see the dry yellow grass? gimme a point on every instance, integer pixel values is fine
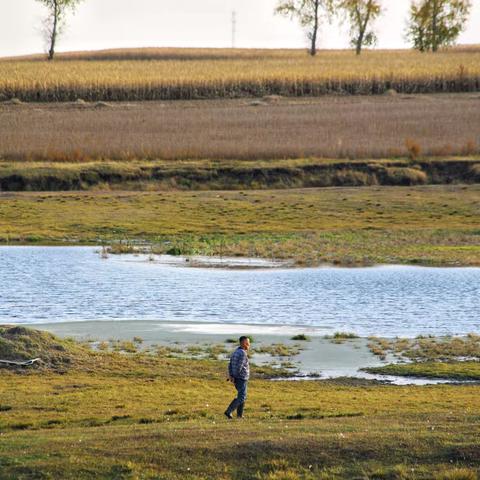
(335, 127)
(182, 73)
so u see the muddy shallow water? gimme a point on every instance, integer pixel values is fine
(318, 358)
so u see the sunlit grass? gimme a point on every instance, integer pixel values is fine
(432, 348)
(431, 225)
(455, 370)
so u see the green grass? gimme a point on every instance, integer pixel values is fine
(19, 343)
(429, 225)
(341, 337)
(345, 335)
(443, 370)
(114, 416)
(278, 350)
(301, 337)
(456, 358)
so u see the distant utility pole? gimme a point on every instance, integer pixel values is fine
(234, 27)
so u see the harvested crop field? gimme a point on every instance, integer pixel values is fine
(176, 74)
(272, 128)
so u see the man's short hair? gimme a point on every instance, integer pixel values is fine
(242, 339)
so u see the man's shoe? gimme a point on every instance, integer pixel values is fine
(228, 415)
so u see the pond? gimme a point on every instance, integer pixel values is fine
(73, 284)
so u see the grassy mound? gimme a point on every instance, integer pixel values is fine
(20, 343)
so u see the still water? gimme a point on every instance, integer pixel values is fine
(66, 284)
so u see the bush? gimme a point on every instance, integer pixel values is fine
(413, 148)
(301, 337)
(174, 251)
(470, 148)
(345, 335)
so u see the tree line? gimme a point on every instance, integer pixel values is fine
(431, 23)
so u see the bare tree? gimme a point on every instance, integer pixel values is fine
(436, 23)
(361, 14)
(309, 13)
(55, 21)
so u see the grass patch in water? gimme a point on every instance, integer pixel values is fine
(424, 348)
(301, 338)
(341, 337)
(437, 370)
(278, 350)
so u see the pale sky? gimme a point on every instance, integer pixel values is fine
(100, 24)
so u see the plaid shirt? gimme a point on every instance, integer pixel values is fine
(239, 366)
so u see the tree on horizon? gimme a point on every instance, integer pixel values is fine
(436, 23)
(361, 14)
(55, 20)
(310, 14)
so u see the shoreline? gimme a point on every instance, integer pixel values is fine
(341, 226)
(237, 262)
(321, 357)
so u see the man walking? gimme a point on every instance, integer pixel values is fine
(239, 373)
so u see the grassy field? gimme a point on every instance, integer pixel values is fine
(272, 128)
(425, 224)
(173, 74)
(112, 416)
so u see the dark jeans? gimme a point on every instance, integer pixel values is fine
(239, 401)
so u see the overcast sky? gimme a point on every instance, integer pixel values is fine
(102, 24)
